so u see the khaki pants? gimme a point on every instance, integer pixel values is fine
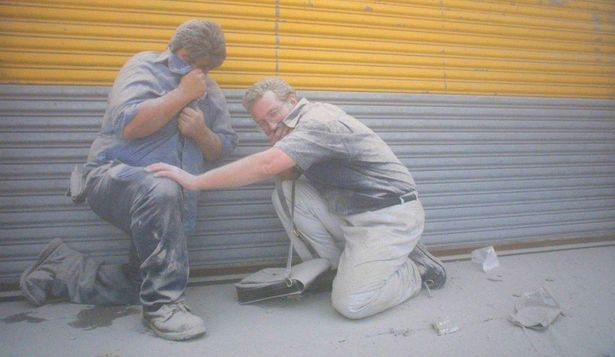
(370, 249)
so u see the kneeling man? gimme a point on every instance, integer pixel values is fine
(355, 203)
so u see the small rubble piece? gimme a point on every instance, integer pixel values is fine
(400, 332)
(444, 326)
(495, 277)
(536, 310)
(487, 257)
(395, 332)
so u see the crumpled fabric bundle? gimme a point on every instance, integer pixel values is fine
(536, 310)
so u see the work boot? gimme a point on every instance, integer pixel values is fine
(59, 271)
(35, 282)
(175, 322)
(431, 268)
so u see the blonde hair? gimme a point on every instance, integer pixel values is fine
(278, 86)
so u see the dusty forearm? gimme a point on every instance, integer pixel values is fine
(210, 144)
(251, 169)
(153, 114)
(236, 174)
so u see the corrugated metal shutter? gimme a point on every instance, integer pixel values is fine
(488, 168)
(528, 47)
(45, 130)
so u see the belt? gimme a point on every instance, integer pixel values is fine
(392, 201)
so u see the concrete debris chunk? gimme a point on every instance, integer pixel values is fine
(444, 326)
(486, 257)
(536, 310)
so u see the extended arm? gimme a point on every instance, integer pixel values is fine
(251, 169)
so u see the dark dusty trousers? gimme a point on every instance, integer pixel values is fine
(149, 210)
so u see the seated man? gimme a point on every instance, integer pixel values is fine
(356, 204)
(163, 107)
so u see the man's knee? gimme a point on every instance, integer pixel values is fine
(165, 191)
(352, 306)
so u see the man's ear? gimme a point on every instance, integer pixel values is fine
(292, 99)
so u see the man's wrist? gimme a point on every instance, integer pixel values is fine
(203, 134)
(181, 95)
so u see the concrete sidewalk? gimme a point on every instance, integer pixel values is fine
(581, 280)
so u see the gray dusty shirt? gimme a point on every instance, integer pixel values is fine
(349, 164)
(150, 75)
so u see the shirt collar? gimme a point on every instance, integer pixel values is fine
(176, 64)
(292, 119)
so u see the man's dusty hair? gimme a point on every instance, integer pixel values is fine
(202, 39)
(278, 86)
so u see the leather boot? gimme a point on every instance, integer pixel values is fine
(60, 271)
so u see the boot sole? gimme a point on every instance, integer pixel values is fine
(177, 336)
(437, 261)
(51, 247)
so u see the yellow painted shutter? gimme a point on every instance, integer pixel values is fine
(526, 47)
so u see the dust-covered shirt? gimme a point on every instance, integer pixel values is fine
(349, 164)
(150, 75)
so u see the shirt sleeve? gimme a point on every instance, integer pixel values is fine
(135, 84)
(218, 118)
(313, 142)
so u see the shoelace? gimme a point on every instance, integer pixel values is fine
(171, 309)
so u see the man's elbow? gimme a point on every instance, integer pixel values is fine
(141, 125)
(268, 170)
(289, 174)
(270, 167)
(132, 132)
(274, 161)
(129, 133)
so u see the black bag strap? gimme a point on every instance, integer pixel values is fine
(291, 213)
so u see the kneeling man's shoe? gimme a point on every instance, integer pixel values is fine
(431, 268)
(175, 322)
